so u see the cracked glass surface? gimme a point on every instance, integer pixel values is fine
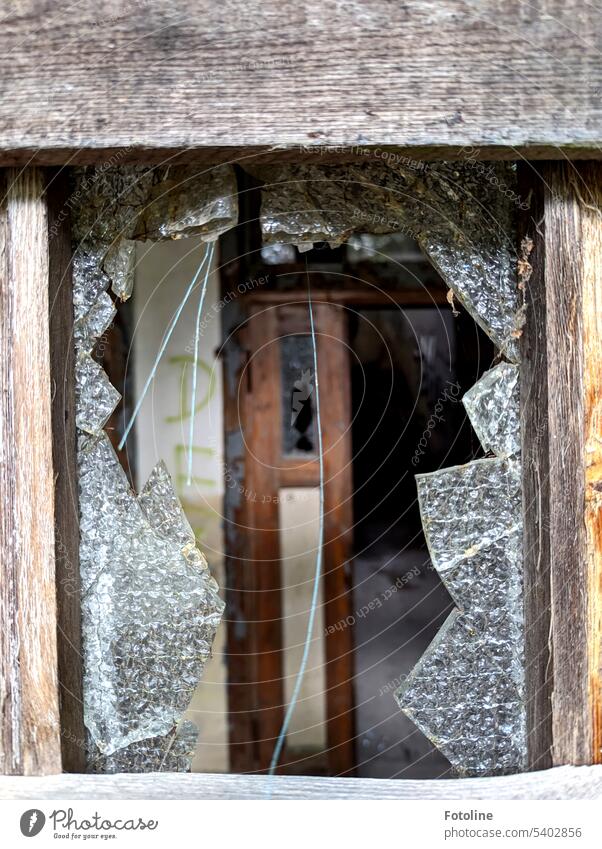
(172, 752)
(466, 693)
(149, 604)
(90, 327)
(95, 395)
(150, 607)
(493, 407)
(459, 213)
(186, 200)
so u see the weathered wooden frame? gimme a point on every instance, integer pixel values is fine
(559, 254)
(509, 82)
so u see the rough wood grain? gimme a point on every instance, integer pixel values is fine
(115, 81)
(573, 284)
(535, 462)
(587, 185)
(66, 501)
(29, 716)
(560, 783)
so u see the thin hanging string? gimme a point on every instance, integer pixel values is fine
(197, 335)
(164, 345)
(318, 573)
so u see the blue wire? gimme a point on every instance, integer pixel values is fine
(162, 350)
(197, 333)
(318, 573)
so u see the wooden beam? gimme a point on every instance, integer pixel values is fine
(29, 710)
(66, 498)
(429, 82)
(560, 783)
(563, 465)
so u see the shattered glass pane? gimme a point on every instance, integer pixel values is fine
(170, 753)
(462, 219)
(278, 254)
(467, 691)
(185, 202)
(150, 609)
(493, 407)
(120, 264)
(89, 281)
(88, 329)
(95, 396)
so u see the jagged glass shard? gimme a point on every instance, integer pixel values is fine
(171, 753)
(88, 329)
(187, 201)
(89, 281)
(150, 607)
(461, 216)
(493, 407)
(96, 397)
(106, 202)
(150, 611)
(467, 691)
(120, 265)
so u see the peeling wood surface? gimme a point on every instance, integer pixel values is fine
(66, 497)
(587, 186)
(572, 438)
(560, 783)
(29, 716)
(429, 78)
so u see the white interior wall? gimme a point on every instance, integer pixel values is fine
(164, 271)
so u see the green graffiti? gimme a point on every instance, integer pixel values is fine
(184, 361)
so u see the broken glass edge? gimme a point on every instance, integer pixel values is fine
(94, 253)
(493, 407)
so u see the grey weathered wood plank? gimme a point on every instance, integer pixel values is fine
(66, 501)
(562, 439)
(573, 278)
(29, 721)
(560, 783)
(90, 81)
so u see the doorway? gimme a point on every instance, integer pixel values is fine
(394, 358)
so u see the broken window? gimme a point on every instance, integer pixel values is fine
(150, 607)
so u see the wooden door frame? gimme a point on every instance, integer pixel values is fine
(558, 249)
(254, 558)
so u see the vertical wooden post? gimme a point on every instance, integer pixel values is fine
(29, 713)
(563, 463)
(263, 436)
(535, 463)
(335, 383)
(66, 512)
